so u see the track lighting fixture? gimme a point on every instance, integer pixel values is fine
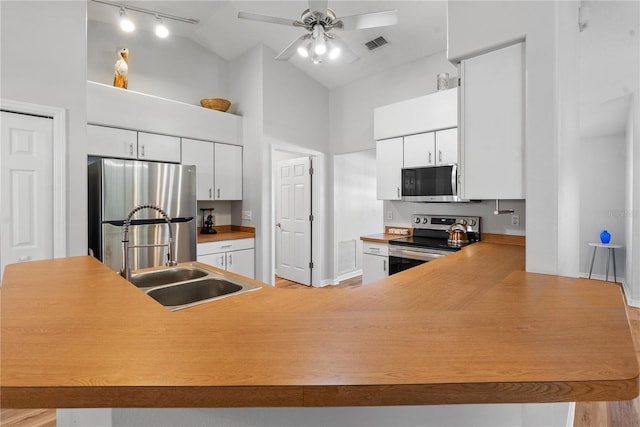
(161, 29)
(126, 24)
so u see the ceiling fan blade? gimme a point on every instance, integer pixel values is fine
(318, 6)
(269, 19)
(346, 54)
(291, 49)
(367, 20)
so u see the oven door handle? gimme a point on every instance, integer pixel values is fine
(420, 256)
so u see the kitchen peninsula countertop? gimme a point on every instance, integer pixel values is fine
(471, 327)
(227, 232)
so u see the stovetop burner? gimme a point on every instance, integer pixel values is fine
(430, 232)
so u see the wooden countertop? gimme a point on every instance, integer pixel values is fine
(471, 327)
(386, 236)
(227, 232)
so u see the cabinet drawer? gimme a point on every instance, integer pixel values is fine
(375, 248)
(224, 246)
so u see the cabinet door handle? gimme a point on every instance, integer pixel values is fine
(131, 149)
(384, 265)
(440, 156)
(222, 261)
(430, 157)
(225, 246)
(230, 259)
(218, 193)
(374, 249)
(398, 192)
(211, 193)
(142, 151)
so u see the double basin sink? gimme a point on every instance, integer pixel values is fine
(188, 285)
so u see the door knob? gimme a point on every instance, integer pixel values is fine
(279, 225)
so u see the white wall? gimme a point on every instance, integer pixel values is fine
(175, 68)
(632, 206)
(356, 211)
(44, 62)
(246, 89)
(602, 201)
(475, 27)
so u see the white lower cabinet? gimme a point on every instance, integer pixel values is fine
(236, 256)
(375, 262)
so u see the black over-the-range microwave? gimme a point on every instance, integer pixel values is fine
(430, 184)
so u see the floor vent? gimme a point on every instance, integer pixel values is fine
(376, 43)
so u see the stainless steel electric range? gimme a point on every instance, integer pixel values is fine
(430, 240)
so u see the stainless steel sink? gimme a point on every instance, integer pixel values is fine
(188, 285)
(165, 276)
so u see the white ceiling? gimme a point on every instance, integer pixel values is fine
(421, 31)
(610, 50)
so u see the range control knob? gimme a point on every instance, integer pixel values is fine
(425, 220)
(417, 220)
(472, 222)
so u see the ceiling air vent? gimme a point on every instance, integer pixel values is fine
(376, 43)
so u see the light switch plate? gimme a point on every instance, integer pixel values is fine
(245, 215)
(389, 215)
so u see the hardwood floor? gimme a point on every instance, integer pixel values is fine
(588, 414)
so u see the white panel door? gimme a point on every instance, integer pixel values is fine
(293, 216)
(228, 172)
(200, 154)
(26, 188)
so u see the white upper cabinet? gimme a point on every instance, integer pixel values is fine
(438, 110)
(200, 154)
(447, 147)
(218, 169)
(431, 149)
(419, 150)
(106, 141)
(389, 160)
(161, 148)
(228, 172)
(111, 142)
(492, 125)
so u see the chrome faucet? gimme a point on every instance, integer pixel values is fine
(126, 268)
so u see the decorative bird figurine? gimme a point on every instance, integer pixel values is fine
(122, 69)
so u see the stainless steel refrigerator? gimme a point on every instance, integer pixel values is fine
(117, 186)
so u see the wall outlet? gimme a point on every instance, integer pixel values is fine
(389, 215)
(245, 215)
(515, 220)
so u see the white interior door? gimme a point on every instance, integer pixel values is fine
(293, 218)
(26, 188)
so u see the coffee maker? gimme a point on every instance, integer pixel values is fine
(208, 223)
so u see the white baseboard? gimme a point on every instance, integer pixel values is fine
(340, 278)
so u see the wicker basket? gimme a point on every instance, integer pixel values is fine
(216, 104)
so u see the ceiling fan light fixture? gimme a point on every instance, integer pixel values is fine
(126, 24)
(303, 51)
(320, 45)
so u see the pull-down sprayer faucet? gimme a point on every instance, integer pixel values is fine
(171, 261)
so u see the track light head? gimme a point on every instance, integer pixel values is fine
(126, 24)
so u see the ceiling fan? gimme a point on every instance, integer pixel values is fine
(321, 43)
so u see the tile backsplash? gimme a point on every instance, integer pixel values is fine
(399, 214)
